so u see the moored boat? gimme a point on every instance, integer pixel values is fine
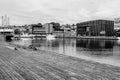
(50, 37)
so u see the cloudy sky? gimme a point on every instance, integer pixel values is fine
(63, 11)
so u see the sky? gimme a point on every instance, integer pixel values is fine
(23, 12)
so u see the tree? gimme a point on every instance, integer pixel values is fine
(17, 31)
(56, 26)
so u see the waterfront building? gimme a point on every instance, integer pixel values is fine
(6, 30)
(48, 28)
(96, 28)
(38, 30)
(117, 24)
(5, 21)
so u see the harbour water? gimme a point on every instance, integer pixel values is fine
(103, 51)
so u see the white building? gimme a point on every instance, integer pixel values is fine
(117, 24)
(48, 28)
(6, 30)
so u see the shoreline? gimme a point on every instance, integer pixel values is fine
(92, 37)
(81, 37)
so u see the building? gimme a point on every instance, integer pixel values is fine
(48, 28)
(38, 30)
(117, 24)
(96, 28)
(5, 21)
(6, 30)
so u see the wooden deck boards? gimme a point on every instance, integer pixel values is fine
(43, 65)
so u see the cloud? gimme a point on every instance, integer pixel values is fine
(109, 9)
(63, 11)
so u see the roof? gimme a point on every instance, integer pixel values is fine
(95, 20)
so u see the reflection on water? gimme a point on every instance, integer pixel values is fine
(104, 51)
(44, 42)
(95, 44)
(96, 47)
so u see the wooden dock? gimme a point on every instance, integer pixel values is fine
(27, 64)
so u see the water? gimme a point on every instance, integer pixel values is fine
(103, 51)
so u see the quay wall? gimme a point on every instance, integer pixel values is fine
(97, 37)
(73, 35)
(65, 34)
(90, 37)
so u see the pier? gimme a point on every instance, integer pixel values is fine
(23, 63)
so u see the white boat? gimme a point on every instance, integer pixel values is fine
(26, 35)
(118, 38)
(50, 37)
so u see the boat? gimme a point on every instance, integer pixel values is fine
(50, 37)
(118, 38)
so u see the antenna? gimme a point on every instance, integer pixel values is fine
(8, 21)
(2, 21)
(5, 21)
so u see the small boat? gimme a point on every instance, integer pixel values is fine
(50, 37)
(118, 38)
